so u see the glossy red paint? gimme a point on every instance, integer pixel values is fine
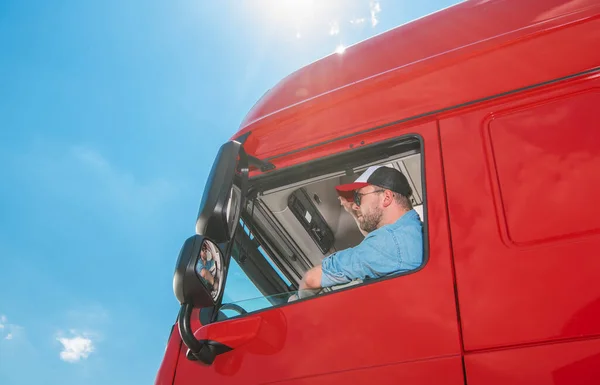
(504, 94)
(573, 363)
(546, 153)
(525, 233)
(166, 372)
(465, 29)
(448, 370)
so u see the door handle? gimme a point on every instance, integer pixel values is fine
(230, 333)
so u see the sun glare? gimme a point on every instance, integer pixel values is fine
(310, 21)
(292, 9)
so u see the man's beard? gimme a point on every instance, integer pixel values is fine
(370, 221)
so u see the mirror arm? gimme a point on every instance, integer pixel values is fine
(198, 351)
(185, 328)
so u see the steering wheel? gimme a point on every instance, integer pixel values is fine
(234, 307)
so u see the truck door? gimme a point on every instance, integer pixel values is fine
(398, 330)
(523, 182)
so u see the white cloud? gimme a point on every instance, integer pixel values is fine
(358, 21)
(298, 35)
(375, 9)
(8, 331)
(334, 28)
(81, 339)
(75, 348)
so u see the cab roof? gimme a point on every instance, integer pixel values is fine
(463, 53)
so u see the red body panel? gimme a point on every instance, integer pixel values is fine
(522, 282)
(419, 372)
(573, 363)
(166, 372)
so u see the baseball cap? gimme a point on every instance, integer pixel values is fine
(382, 176)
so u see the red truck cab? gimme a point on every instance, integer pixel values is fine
(488, 109)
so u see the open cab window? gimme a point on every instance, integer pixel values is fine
(294, 220)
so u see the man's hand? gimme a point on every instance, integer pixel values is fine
(347, 205)
(311, 279)
(309, 285)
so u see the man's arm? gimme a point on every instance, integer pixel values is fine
(207, 276)
(312, 278)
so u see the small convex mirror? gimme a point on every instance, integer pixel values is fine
(198, 278)
(209, 268)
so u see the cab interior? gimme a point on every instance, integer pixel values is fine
(291, 223)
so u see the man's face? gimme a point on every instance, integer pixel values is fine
(369, 212)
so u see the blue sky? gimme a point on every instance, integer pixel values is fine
(111, 113)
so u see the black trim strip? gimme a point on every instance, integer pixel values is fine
(446, 109)
(346, 160)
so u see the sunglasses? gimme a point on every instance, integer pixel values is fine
(358, 196)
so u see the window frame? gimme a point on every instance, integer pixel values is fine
(333, 163)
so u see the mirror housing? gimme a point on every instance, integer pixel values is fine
(221, 200)
(198, 278)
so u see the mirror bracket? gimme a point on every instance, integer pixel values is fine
(197, 351)
(185, 329)
(263, 165)
(204, 351)
(206, 355)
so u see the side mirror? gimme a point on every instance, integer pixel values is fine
(200, 269)
(199, 272)
(220, 207)
(198, 282)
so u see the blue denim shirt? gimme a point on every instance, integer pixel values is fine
(390, 249)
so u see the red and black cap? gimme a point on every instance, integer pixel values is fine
(384, 177)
